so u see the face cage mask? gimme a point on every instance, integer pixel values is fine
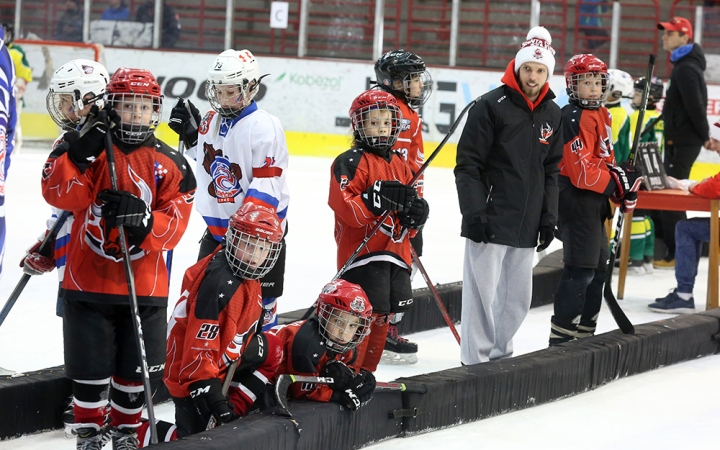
(426, 87)
(362, 123)
(574, 90)
(239, 246)
(246, 94)
(136, 131)
(59, 115)
(328, 315)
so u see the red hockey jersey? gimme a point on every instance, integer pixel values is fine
(588, 148)
(410, 141)
(215, 314)
(353, 172)
(94, 270)
(304, 353)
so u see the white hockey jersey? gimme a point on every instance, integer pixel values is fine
(238, 160)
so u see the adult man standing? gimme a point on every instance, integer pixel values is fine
(506, 177)
(7, 128)
(685, 117)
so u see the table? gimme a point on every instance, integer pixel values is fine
(676, 200)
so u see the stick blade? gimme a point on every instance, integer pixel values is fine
(618, 314)
(281, 387)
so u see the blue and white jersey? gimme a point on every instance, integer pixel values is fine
(8, 118)
(240, 160)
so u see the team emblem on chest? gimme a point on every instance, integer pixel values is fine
(226, 175)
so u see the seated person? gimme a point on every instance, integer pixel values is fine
(170, 23)
(117, 10)
(689, 236)
(69, 26)
(325, 346)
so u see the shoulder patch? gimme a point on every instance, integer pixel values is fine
(307, 348)
(571, 122)
(217, 288)
(345, 165)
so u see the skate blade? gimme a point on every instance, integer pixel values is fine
(398, 359)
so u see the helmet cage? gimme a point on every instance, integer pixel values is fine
(74, 86)
(144, 116)
(242, 247)
(332, 323)
(574, 89)
(368, 125)
(246, 92)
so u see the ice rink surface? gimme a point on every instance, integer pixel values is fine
(673, 407)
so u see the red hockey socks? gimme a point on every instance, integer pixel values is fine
(126, 402)
(370, 349)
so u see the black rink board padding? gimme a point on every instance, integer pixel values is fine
(322, 426)
(469, 393)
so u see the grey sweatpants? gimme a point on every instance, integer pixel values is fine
(496, 295)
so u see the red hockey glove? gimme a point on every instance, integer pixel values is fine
(36, 264)
(629, 202)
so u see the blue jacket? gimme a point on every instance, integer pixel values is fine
(121, 13)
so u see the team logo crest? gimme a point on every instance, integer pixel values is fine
(404, 125)
(357, 305)
(88, 69)
(205, 124)
(329, 288)
(545, 132)
(226, 175)
(538, 54)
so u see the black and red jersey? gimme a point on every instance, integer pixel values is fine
(410, 141)
(94, 270)
(353, 172)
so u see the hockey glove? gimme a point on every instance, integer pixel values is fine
(384, 196)
(36, 264)
(86, 145)
(210, 402)
(341, 374)
(627, 179)
(480, 232)
(181, 123)
(254, 353)
(629, 202)
(415, 216)
(123, 208)
(546, 235)
(359, 391)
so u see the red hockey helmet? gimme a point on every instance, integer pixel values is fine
(253, 241)
(344, 313)
(584, 66)
(375, 118)
(136, 96)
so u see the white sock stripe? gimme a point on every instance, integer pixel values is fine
(127, 411)
(127, 389)
(247, 392)
(90, 405)
(75, 426)
(168, 436)
(261, 377)
(94, 382)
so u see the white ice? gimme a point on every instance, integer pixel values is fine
(674, 407)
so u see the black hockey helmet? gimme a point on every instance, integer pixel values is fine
(9, 32)
(395, 70)
(656, 88)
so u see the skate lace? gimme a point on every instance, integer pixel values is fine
(89, 440)
(394, 334)
(125, 440)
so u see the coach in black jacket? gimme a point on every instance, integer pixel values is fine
(685, 117)
(506, 177)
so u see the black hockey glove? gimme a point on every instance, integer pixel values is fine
(210, 402)
(358, 393)
(341, 374)
(123, 208)
(627, 179)
(480, 232)
(86, 145)
(546, 235)
(415, 216)
(382, 196)
(181, 123)
(254, 353)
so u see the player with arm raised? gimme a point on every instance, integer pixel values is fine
(241, 157)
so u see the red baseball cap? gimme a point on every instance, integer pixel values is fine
(680, 24)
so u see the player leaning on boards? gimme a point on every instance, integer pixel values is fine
(404, 75)
(366, 182)
(241, 157)
(506, 177)
(153, 202)
(588, 177)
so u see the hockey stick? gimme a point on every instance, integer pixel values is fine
(212, 423)
(381, 220)
(139, 339)
(44, 249)
(435, 294)
(618, 314)
(284, 381)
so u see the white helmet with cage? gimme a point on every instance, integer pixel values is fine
(74, 87)
(620, 85)
(233, 81)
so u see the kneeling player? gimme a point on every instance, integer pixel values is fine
(326, 346)
(217, 321)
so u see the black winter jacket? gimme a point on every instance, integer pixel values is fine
(507, 166)
(685, 108)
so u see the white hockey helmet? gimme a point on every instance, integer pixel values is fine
(74, 86)
(620, 82)
(233, 81)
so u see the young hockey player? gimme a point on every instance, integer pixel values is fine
(241, 157)
(403, 74)
(215, 322)
(588, 177)
(153, 202)
(74, 88)
(367, 181)
(326, 346)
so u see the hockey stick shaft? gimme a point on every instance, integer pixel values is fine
(381, 220)
(132, 293)
(212, 423)
(435, 294)
(618, 314)
(43, 250)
